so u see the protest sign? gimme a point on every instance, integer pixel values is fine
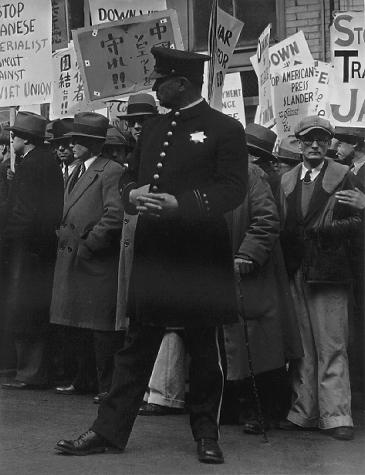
(232, 98)
(227, 32)
(102, 11)
(266, 115)
(299, 91)
(68, 88)
(348, 80)
(290, 51)
(25, 52)
(115, 58)
(59, 24)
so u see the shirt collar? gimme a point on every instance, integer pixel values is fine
(89, 162)
(357, 165)
(313, 173)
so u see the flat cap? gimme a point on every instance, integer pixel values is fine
(173, 62)
(313, 122)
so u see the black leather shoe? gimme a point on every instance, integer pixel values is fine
(68, 390)
(341, 433)
(150, 409)
(99, 398)
(88, 443)
(253, 427)
(21, 385)
(209, 451)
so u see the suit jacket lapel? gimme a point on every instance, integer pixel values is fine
(319, 196)
(83, 183)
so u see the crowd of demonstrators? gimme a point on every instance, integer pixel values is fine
(183, 240)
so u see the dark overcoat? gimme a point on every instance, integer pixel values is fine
(182, 270)
(274, 336)
(85, 281)
(34, 214)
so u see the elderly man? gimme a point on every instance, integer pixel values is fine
(316, 232)
(34, 214)
(85, 282)
(193, 162)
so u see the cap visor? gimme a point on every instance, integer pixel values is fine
(317, 127)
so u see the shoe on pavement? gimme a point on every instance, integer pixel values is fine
(209, 451)
(21, 385)
(150, 409)
(86, 444)
(254, 427)
(341, 433)
(99, 398)
(68, 390)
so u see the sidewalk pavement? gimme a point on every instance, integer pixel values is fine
(31, 422)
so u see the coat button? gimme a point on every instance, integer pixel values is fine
(177, 114)
(125, 220)
(69, 249)
(156, 176)
(159, 165)
(126, 243)
(173, 124)
(162, 154)
(169, 133)
(155, 188)
(166, 144)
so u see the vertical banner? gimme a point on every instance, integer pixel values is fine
(25, 52)
(266, 114)
(232, 101)
(226, 33)
(68, 88)
(102, 11)
(115, 58)
(60, 32)
(348, 80)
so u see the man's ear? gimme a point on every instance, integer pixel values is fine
(183, 83)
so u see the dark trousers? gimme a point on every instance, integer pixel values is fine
(32, 352)
(94, 354)
(133, 368)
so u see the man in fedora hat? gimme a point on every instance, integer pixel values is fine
(140, 107)
(61, 143)
(116, 145)
(85, 282)
(315, 238)
(193, 162)
(35, 211)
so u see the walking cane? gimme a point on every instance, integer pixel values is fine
(249, 357)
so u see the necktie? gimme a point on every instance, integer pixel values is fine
(307, 177)
(78, 172)
(65, 173)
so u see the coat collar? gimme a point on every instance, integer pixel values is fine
(83, 183)
(190, 112)
(333, 175)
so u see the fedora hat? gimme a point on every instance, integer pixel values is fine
(89, 124)
(288, 151)
(351, 135)
(140, 104)
(61, 127)
(114, 137)
(29, 123)
(260, 140)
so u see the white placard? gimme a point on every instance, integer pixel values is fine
(103, 11)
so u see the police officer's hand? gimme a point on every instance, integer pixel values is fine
(137, 194)
(354, 198)
(157, 204)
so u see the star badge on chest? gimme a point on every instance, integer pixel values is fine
(198, 137)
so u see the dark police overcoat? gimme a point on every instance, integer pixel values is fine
(182, 271)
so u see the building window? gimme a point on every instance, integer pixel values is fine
(256, 14)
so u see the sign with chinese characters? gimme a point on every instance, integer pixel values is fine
(232, 98)
(102, 11)
(266, 115)
(299, 91)
(115, 58)
(25, 52)
(68, 97)
(59, 24)
(227, 31)
(347, 85)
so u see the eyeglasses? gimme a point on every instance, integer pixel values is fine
(136, 120)
(321, 141)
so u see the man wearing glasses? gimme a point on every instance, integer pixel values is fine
(316, 234)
